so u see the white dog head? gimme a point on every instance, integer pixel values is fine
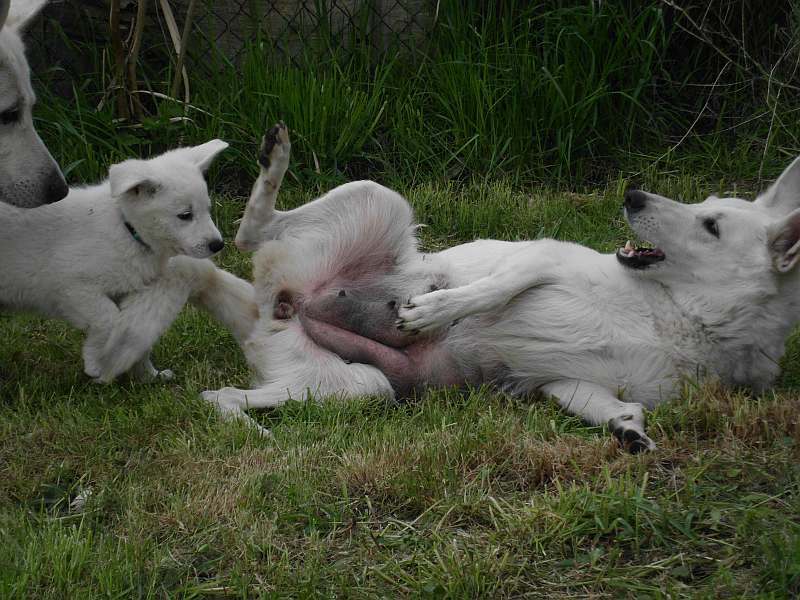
(725, 244)
(28, 174)
(165, 200)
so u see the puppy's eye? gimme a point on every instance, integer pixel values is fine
(711, 227)
(11, 115)
(186, 216)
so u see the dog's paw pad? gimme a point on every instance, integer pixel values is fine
(267, 144)
(632, 440)
(276, 136)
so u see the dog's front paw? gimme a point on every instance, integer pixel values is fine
(275, 148)
(165, 375)
(428, 312)
(144, 372)
(630, 434)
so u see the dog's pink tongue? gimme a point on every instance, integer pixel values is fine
(395, 364)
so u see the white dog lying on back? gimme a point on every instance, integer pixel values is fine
(98, 258)
(606, 335)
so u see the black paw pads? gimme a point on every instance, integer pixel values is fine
(268, 143)
(629, 438)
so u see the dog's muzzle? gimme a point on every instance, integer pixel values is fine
(637, 257)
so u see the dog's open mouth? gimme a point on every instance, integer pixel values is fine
(639, 257)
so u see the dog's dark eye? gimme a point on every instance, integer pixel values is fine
(711, 227)
(186, 216)
(11, 115)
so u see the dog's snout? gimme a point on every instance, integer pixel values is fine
(56, 188)
(216, 246)
(635, 201)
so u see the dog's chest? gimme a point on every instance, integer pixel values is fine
(138, 275)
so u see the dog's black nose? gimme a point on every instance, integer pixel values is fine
(635, 200)
(56, 188)
(216, 246)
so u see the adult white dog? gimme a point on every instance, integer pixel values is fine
(28, 174)
(100, 259)
(605, 334)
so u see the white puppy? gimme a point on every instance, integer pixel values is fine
(98, 258)
(28, 174)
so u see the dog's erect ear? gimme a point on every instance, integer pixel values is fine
(131, 177)
(4, 4)
(22, 13)
(202, 155)
(783, 238)
(783, 196)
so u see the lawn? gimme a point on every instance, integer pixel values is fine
(472, 494)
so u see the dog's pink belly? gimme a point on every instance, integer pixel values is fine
(421, 363)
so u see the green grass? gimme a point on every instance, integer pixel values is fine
(556, 91)
(449, 496)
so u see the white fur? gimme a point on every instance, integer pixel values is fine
(76, 259)
(28, 174)
(542, 316)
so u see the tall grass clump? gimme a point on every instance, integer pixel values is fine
(531, 88)
(334, 108)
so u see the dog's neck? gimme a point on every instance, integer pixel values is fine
(744, 337)
(135, 235)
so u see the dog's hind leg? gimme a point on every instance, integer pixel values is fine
(294, 368)
(598, 406)
(535, 264)
(273, 160)
(231, 403)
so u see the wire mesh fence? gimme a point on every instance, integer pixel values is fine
(223, 30)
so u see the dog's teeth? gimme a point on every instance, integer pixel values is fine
(628, 246)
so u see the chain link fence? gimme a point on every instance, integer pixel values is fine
(75, 33)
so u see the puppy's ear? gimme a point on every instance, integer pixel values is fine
(783, 238)
(22, 13)
(4, 4)
(131, 177)
(783, 196)
(202, 155)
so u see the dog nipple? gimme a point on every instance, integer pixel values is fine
(342, 294)
(283, 311)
